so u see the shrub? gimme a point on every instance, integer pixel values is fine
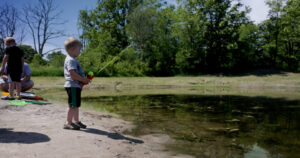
(47, 71)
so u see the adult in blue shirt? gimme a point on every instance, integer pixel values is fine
(26, 82)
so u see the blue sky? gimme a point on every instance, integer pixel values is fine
(71, 9)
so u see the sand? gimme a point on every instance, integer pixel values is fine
(36, 131)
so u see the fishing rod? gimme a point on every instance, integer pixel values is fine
(114, 59)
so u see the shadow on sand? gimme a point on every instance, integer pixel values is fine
(7, 135)
(116, 136)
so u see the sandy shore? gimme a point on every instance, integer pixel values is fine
(36, 131)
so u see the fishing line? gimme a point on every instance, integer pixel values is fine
(114, 59)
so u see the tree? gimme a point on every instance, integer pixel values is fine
(38, 61)
(108, 18)
(164, 46)
(189, 30)
(250, 54)
(56, 59)
(10, 25)
(280, 35)
(211, 40)
(84, 26)
(150, 30)
(274, 26)
(41, 20)
(141, 26)
(104, 30)
(195, 37)
(290, 34)
(29, 53)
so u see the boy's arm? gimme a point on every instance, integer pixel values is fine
(77, 77)
(26, 78)
(3, 63)
(4, 77)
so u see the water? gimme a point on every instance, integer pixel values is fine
(227, 126)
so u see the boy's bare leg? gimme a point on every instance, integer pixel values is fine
(4, 87)
(11, 88)
(76, 114)
(18, 87)
(70, 115)
(76, 119)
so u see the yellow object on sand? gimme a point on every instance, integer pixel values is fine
(5, 94)
(25, 95)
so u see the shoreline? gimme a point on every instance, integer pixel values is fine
(288, 80)
(36, 131)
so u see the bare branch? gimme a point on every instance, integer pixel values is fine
(52, 50)
(10, 24)
(41, 19)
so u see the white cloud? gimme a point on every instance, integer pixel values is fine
(259, 10)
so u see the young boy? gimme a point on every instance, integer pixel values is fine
(74, 76)
(14, 57)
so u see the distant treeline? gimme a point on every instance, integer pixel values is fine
(153, 38)
(194, 37)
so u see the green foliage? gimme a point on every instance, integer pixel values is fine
(38, 61)
(47, 71)
(280, 35)
(56, 59)
(29, 53)
(150, 30)
(129, 64)
(189, 29)
(290, 49)
(249, 56)
(106, 24)
(126, 63)
(141, 26)
(104, 29)
(138, 38)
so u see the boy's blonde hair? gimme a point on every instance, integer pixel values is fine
(9, 40)
(71, 43)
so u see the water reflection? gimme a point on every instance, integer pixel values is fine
(213, 126)
(256, 151)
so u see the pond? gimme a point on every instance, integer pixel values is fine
(213, 125)
(206, 123)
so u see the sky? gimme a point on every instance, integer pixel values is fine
(70, 11)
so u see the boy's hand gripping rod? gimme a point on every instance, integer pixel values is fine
(90, 75)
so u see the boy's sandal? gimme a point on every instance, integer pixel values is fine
(79, 124)
(71, 126)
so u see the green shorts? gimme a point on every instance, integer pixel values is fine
(74, 97)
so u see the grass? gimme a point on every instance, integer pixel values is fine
(47, 71)
(291, 80)
(287, 84)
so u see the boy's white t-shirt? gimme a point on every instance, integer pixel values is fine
(72, 64)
